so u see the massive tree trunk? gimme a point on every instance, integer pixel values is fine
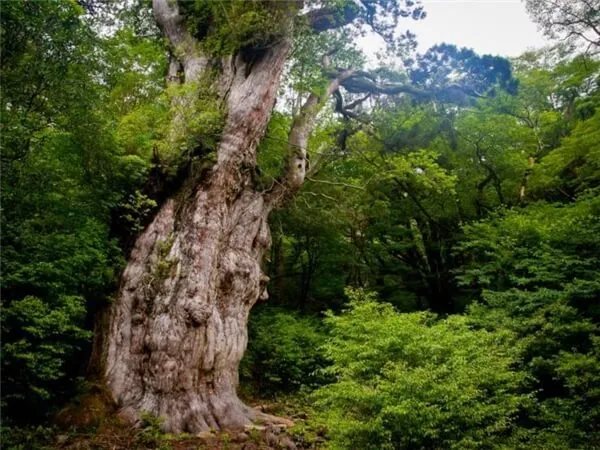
(178, 324)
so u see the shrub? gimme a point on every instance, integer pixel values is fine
(40, 339)
(284, 352)
(538, 272)
(28, 438)
(415, 381)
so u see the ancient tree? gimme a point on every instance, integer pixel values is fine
(178, 325)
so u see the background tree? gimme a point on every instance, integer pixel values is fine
(576, 22)
(64, 177)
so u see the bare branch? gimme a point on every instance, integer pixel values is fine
(362, 82)
(336, 183)
(358, 102)
(319, 194)
(346, 110)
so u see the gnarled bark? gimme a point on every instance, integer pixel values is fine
(178, 329)
(178, 324)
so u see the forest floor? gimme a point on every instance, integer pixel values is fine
(87, 425)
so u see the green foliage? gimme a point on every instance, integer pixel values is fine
(223, 28)
(28, 438)
(198, 116)
(315, 249)
(39, 338)
(415, 381)
(543, 245)
(444, 63)
(305, 71)
(163, 266)
(283, 352)
(151, 434)
(181, 124)
(540, 268)
(272, 148)
(136, 209)
(135, 72)
(63, 175)
(575, 165)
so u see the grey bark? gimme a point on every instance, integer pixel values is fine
(178, 324)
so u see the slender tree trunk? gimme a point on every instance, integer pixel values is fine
(178, 324)
(525, 179)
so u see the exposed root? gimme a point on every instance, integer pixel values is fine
(202, 413)
(277, 421)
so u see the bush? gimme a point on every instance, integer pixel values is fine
(538, 270)
(40, 339)
(284, 352)
(28, 438)
(414, 381)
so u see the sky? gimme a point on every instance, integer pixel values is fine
(497, 27)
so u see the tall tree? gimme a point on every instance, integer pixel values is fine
(178, 324)
(575, 21)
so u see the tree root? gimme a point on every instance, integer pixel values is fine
(276, 421)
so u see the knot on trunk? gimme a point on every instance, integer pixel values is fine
(137, 318)
(198, 314)
(264, 281)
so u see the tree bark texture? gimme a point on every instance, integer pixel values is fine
(178, 326)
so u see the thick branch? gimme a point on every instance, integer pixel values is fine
(357, 102)
(183, 45)
(346, 110)
(297, 162)
(360, 83)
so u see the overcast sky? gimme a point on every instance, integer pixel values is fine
(498, 27)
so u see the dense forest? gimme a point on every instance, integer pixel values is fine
(418, 237)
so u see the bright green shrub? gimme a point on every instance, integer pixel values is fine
(414, 381)
(284, 352)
